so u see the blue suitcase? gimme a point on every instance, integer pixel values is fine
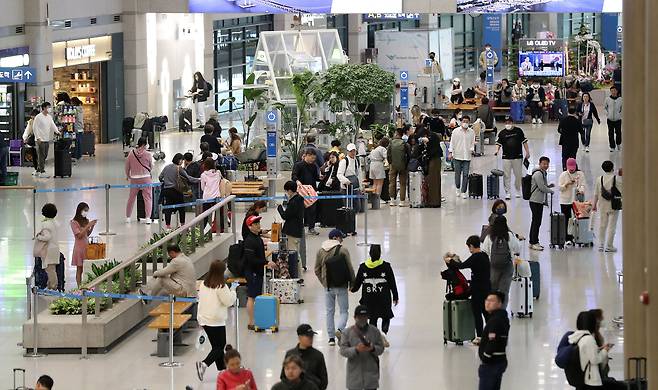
(266, 308)
(230, 163)
(517, 111)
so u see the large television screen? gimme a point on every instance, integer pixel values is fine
(541, 64)
(295, 6)
(507, 6)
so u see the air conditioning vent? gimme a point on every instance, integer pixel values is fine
(117, 18)
(92, 21)
(67, 24)
(20, 29)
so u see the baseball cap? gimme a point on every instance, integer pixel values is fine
(305, 330)
(336, 233)
(508, 118)
(361, 310)
(253, 219)
(351, 147)
(571, 163)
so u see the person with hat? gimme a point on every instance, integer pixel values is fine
(333, 267)
(457, 93)
(513, 142)
(293, 227)
(349, 171)
(378, 280)
(362, 344)
(255, 261)
(572, 186)
(315, 368)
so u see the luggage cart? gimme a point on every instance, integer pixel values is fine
(158, 154)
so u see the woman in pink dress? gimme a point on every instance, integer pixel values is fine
(82, 228)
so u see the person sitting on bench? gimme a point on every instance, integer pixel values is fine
(177, 278)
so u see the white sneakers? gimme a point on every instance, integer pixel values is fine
(539, 122)
(457, 192)
(35, 173)
(518, 195)
(611, 150)
(393, 203)
(611, 249)
(464, 195)
(508, 196)
(587, 149)
(44, 175)
(127, 219)
(146, 221)
(536, 247)
(534, 121)
(404, 203)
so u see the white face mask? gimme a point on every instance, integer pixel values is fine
(405, 138)
(465, 125)
(508, 127)
(84, 213)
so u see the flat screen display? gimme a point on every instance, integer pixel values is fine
(507, 6)
(295, 6)
(541, 64)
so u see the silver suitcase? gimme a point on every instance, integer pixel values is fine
(521, 300)
(581, 231)
(416, 189)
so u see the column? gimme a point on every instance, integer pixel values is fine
(429, 21)
(135, 59)
(38, 37)
(357, 35)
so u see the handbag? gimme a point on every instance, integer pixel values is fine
(307, 190)
(181, 184)
(95, 249)
(588, 122)
(225, 187)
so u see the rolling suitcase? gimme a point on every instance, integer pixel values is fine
(266, 308)
(536, 278)
(327, 208)
(287, 291)
(475, 189)
(184, 119)
(88, 143)
(638, 377)
(493, 187)
(521, 297)
(458, 322)
(62, 159)
(517, 111)
(581, 232)
(291, 258)
(16, 385)
(558, 228)
(416, 189)
(346, 220)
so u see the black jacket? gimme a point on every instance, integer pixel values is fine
(304, 384)
(378, 287)
(531, 94)
(254, 253)
(218, 128)
(306, 173)
(315, 369)
(593, 112)
(436, 125)
(329, 171)
(204, 91)
(480, 272)
(293, 215)
(319, 157)
(214, 145)
(494, 338)
(570, 129)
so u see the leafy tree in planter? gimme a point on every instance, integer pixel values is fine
(355, 87)
(253, 98)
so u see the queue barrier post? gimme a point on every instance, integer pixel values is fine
(160, 217)
(233, 223)
(171, 363)
(28, 300)
(365, 222)
(83, 343)
(35, 327)
(34, 213)
(107, 231)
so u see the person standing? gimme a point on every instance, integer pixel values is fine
(492, 350)
(293, 215)
(462, 146)
(310, 144)
(572, 184)
(210, 180)
(430, 143)
(377, 171)
(28, 139)
(315, 369)
(4, 154)
(502, 246)
(307, 172)
(349, 174)
(328, 173)
(593, 358)
(539, 189)
(255, 260)
(138, 171)
(333, 267)
(613, 111)
(606, 188)
(215, 297)
(586, 111)
(171, 177)
(398, 155)
(513, 141)
(213, 144)
(78, 126)
(435, 66)
(362, 344)
(82, 228)
(46, 247)
(378, 280)
(569, 129)
(200, 92)
(44, 129)
(478, 263)
(484, 57)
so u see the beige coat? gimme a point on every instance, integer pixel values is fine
(180, 270)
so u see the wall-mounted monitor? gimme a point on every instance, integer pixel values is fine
(507, 6)
(541, 57)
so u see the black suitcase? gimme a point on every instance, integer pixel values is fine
(493, 187)
(385, 196)
(346, 220)
(536, 278)
(62, 163)
(88, 143)
(327, 208)
(185, 119)
(475, 185)
(155, 211)
(558, 228)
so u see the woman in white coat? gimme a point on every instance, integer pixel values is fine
(503, 247)
(46, 247)
(592, 357)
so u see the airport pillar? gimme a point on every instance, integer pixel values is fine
(135, 58)
(357, 35)
(39, 38)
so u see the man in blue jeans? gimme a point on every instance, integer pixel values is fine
(493, 343)
(333, 267)
(462, 146)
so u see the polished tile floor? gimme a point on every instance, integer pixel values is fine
(413, 241)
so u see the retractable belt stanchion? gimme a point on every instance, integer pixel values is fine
(34, 213)
(107, 231)
(233, 223)
(171, 362)
(365, 225)
(35, 327)
(85, 302)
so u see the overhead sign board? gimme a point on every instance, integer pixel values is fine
(390, 17)
(78, 52)
(23, 74)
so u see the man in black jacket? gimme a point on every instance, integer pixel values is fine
(310, 144)
(213, 143)
(315, 368)
(493, 343)
(255, 263)
(307, 173)
(570, 128)
(293, 215)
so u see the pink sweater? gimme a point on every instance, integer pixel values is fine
(138, 164)
(210, 184)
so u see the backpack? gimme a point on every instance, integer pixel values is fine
(526, 187)
(337, 271)
(399, 154)
(563, 351)
(235, 261)
(575, 375)
(500, 253)
(457, 284)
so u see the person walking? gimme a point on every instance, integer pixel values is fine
(478, 263)
(200, 92)
(333, 267)
(432, 155)
(362, 344)
(572, 186)
(613, 111)
(82, 228)
(378, 281)
(539, 189)
(569, 129)
(175, 182)
(210, 179)
(235, 377)
(315, 369)
(492, 350)
(294, 375)
(377, 172)
(608, 190)
(586, 112)
(307, 173)
(398, 155)
(46, 249)
(255, 260)
(462, 146)
(513, 141)
(44, 129)
(138, 167)
(30, 142)
(293, 215)
(215, 297)
(502, 246)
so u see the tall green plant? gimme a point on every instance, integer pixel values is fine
(354, 87)
(252, 98)
(304, 86)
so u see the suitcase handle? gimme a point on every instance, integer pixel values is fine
(640, 368)
(265, 279)
(22, 371)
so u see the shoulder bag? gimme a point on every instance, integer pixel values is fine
(181, 183)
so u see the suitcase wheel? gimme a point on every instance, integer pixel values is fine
(530, 315)
(445, 341)
(459, 342)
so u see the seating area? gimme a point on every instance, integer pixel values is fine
(248, 188)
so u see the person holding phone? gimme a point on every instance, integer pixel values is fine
(592, 356)
(235, 377)
(362, 344)
(82, 228)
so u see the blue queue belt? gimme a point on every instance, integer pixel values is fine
(242, 200)
(98, 187)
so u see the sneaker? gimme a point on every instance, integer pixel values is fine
(587, 149)
(611, 150)
(35, 173)
(536, 247)
(44, 175)
(127, 219)
(619, 148)
(304, 268)
(404, 203)
(618, 320)
(339, 334)
(518, 195)
(611, 249)
(569, 243)
(539, 122)
(313, 232)
(600, 248)
(200, 369)
(146, 221)
(443, 199)
(464, 195)
(508, 196)
(332, 342)
(385, 340)
(458, 192)
(534, 121)
(393, 203)
(476, 341)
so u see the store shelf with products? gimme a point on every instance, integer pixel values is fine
(83, 82)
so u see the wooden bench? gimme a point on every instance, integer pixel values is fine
(161, 323)
(164, 308)
(248, 188)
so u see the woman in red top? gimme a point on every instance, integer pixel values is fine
(235, 377)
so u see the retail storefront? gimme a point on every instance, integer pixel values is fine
(13, 100)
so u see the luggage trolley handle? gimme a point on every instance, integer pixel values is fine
(640, 369)
(22, 371)
(266, 280)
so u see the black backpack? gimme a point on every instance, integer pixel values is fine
(338, 273)
(575, 375)
(235, 261)
(500, 253)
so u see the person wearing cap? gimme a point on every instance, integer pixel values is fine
(349, 171)
(569, 129)
(460, 151)
(315, 368)
(362, 344)
(333, 267)
(513, 142)
(293, 215)
(572, 187)
(255, 261)
(378, 281)
(457, 93)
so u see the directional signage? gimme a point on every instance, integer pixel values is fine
(21, 74)
(490, 74)
(404, 97)
(271, 144)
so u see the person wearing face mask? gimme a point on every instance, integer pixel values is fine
(457, 93)
(536, 98)
(43, 127)
(513, 142)
(436, 66)
(484, 60)
(171, 191)
(82, 228)
(139, 164)
(362, 344)
(462, 146)
(572, 185)
(398, 155)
